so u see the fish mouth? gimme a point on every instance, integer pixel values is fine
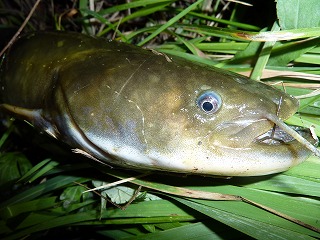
(277, 136)
(264, 130)
(310, 142)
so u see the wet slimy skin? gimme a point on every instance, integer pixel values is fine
(129, 107)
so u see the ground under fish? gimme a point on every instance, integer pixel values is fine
(130, 107)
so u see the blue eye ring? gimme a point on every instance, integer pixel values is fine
(209, 102)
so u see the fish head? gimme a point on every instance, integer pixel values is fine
(227, 125)
(234, 109)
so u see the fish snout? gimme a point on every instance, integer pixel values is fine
(252, 121)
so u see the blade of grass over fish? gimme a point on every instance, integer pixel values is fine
(305, 121)
(293, 133)
(170, 22)
(251, 227)
(263, 56)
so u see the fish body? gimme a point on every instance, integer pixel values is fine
(135, 108)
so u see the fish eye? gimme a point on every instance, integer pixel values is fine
(209, 102)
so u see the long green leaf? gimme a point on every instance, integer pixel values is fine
(170, 22)
(251, 227)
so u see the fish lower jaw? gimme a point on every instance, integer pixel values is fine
(274, 136)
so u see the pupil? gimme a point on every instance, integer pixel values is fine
(207, 106)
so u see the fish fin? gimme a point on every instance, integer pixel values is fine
(34, 117)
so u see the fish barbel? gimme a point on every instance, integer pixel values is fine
(130, 107)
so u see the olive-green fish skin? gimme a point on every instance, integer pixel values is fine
(135, 108)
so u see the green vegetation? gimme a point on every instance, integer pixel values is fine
(43, 185)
